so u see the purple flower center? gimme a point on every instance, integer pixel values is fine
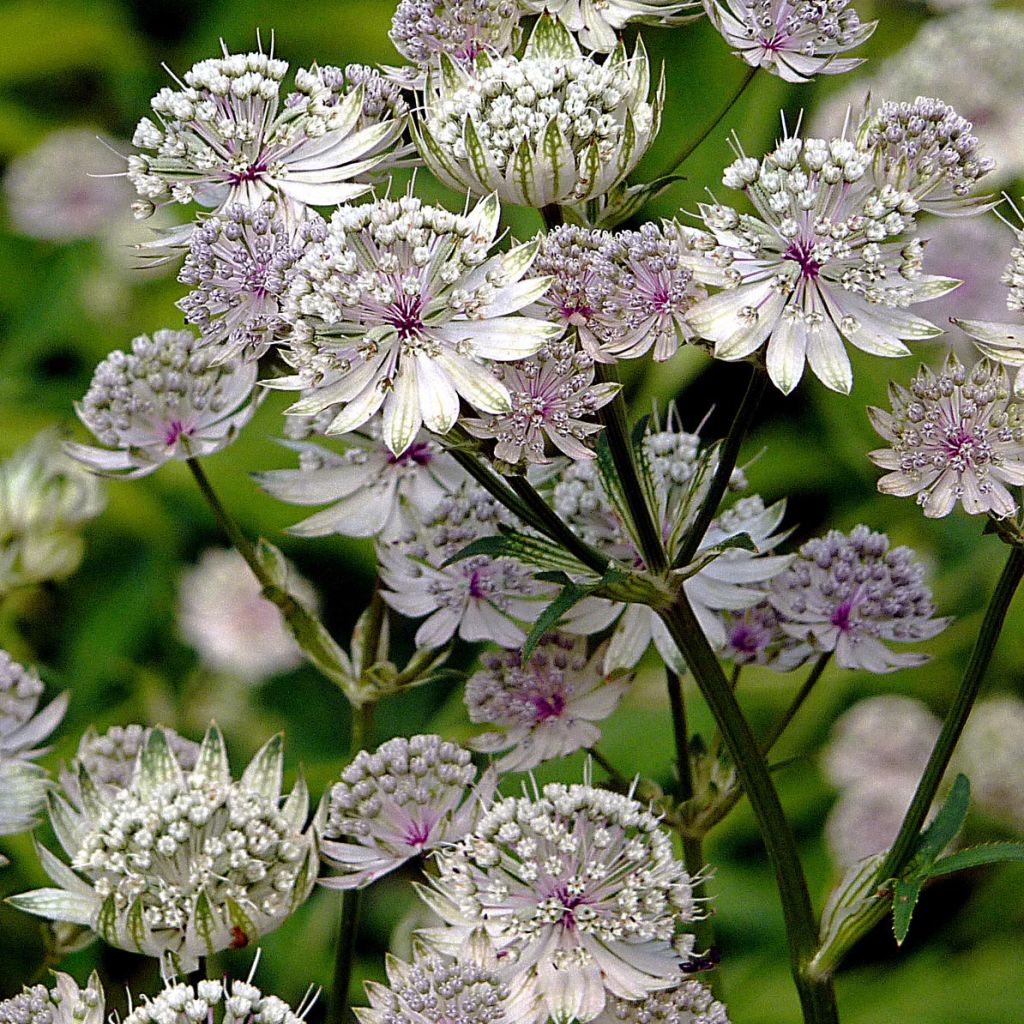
(418, 453)
(404, 316)
(802, 254)
(841, 616)
(251, 173)
(747, 640)
(576, 315)
(569, 904)
(417, 834)
(959, 445)
(546, 707)
(175, 430)
(476, 585)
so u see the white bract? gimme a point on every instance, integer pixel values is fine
(551, 127)
(179, 864)
(599, 22)
(166, 399)
(400, 308)
(830, 256)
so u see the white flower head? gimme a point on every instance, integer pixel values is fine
(991, 755)
(830, 256)
(957, 437)
(794, 39)
(554, 399)
(227, 135)
(239, 265)
(180, 864)
(65, 1003)
(366, 485)
(408, 797)
(400, 308)
(546, 708)
(852, 593)
(481, 598)
(223, 614)
(599, 22)
(579, 890)
(551, 127)
(45, 497)
(689, 1003)
(165, 399)
(110, 757)
(215, 1002)
(23, 785)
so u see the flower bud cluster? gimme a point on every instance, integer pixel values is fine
(424, 29)
(110, 757)
(689, 1003)
(65, 1003)
(223, 1002)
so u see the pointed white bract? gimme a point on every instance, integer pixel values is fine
(168, 398)
(480, 598)
(547, 708)
(408, 797)
(794, 39)
(853, 594)
(551, 127)
(598, 23)
(180, 863)
(830, 257)
(690, 1003)
(23, 727)
(580, 892)
(65, 1003)
(957, 437)
(227, 135)
(554, 400)
(45, 497)
(401, 309)
(214, 1002)
(110, 757)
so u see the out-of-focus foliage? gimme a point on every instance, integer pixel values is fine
(109, 633)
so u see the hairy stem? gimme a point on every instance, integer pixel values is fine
(817, 996)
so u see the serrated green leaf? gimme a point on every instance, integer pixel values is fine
(532, 551)
(976, 856)
(570, 595)
(945, 826)
(905, 897)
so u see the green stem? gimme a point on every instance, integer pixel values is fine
(817, 996)
(493, 484)
(688, 149)
(616, 431)
(956, 718)
(727, 459)
(802, 694)
(552, 215)
(614, 774)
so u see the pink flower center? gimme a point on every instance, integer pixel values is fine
(404, 316)
(417, 834)
(175, 430)
(960, 445)
(802, 254)
(546, 707)
(576, 315)
(251, 173)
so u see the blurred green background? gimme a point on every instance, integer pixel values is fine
(109, 633)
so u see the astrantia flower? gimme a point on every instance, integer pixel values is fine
(408, 797)
(215, 1002)
(550, 127)
(45, 497)
(239, 265)
(109, 757)
(956, 436)
(554, 398)
(755, 636)
(180, 864)
(829, 257)
(598, 22)
(848, 593)
(23, 727)
(867, 817)
(690, 1003)
(481, 598)
(927, 149)
(991, 755)
(579, 890)
(223, 614)
(367, 485)
(400, 306)
(166, 399)
(65, 1003)
(546, 708)
(225, 136)
(794, 39)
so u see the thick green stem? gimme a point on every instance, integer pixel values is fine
(817, 996)
(797, 702)
(956, 718)
(727, 459)
(688, 149)
(616, 430)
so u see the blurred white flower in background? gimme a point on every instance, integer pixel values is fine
(991, 755)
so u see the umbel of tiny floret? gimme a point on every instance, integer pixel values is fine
(927, 149)
(551, 127)
(580, 892)
(406, 798)
(794, 39)
(957, 437)
(65, 1003)
(110, 757)
(239, 265)
(690, 1003)
(598, 23)
(23, 727)
(852, 593)
(547, 707)
(227, 135)
(180, 864)
(400, 308)
(167, 398)
(829, 256)
(44, 499)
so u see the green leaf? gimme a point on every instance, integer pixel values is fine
(533, 551)
(976, 856)
(570, 595)
(905, 896)
(945, 827)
